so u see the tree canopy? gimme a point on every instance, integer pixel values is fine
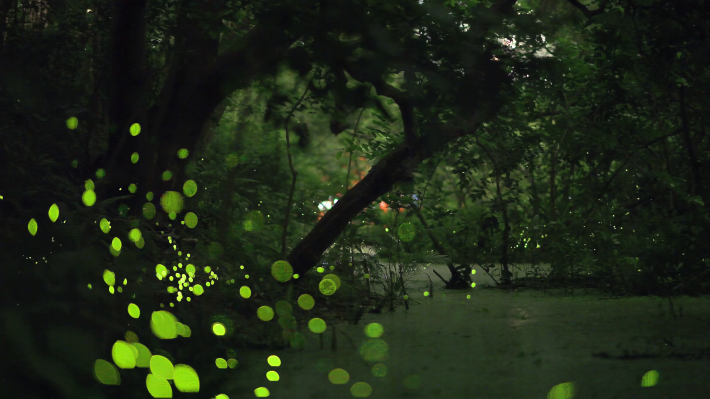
(568, 133)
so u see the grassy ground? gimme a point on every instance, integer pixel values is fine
(516, 343)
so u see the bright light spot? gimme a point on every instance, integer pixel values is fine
(325, 205)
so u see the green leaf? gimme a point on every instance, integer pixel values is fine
(338, 154)
(698, 200)
(378, 123)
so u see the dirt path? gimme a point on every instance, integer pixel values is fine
(500, 344)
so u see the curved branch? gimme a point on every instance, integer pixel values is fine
(587, 12)
(399, 164)
(195, 98)
(385, 89)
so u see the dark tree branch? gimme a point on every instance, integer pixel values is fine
(697, 186)
(608, 182)
(385, 89)
(458, 279)
(294, 173)
(350, 160)
(4, 10)
(257, 54)
(128, 71)
(378, 182)
(183, 112)
(398, 165)
(504, 6)
(587, 12)
(194, 49)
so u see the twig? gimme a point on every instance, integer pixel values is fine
(489, 275)
(421, 200)
(347, 175)
(294, 173)
(350, 339)
(442, 279)
(399, 262)
(334, 342)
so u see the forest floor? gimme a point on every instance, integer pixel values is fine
(506, 344)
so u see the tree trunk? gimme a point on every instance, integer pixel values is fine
(458, 280)
(207, 133)
(396, 166)
(200, 79)
(506, 275)
(197, 83)
(4, 10)
(697, 186)
(568, 183)
(553, 185)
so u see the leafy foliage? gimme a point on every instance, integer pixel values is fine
(549, 134)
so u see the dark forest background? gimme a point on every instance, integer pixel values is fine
(548, 143)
